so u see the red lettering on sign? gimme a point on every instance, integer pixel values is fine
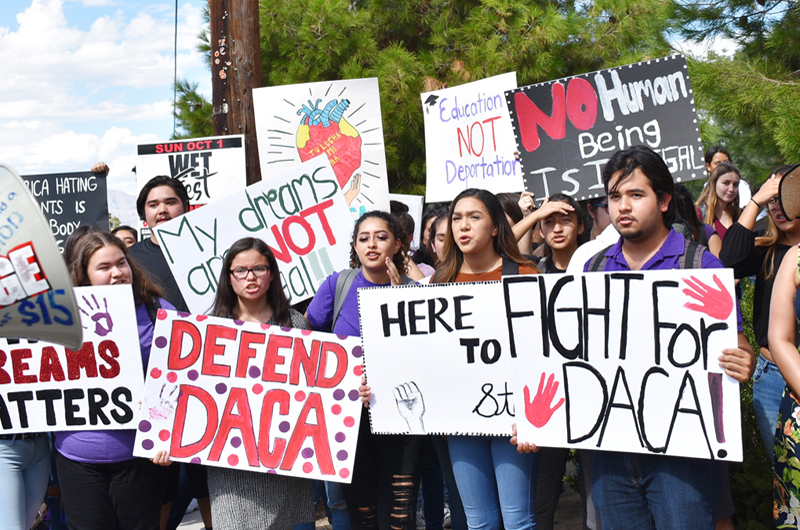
(180, 451)
(318, 433)
(242, 421)
(181, 328)
(50, 367)
(212, 349)
(268, 458)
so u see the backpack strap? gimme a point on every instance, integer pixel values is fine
(152, 309)
(692, 255)
(510, 267)
(343, 284)
(598, 261)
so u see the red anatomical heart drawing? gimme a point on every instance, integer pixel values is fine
(326, 131)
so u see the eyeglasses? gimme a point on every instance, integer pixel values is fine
(773, 202)
(241, 273)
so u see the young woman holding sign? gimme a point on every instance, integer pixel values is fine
(386, 473)
(250, 289)
(102, 484)
(492, 477)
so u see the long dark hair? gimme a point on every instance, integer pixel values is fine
(84, 248)
(226, 303)
(684, 212)
(399, 258)
(504, 243)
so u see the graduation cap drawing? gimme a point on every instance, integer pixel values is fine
(430, 102)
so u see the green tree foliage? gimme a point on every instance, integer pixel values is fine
(193, 112)
(417, 46)
(751, 101)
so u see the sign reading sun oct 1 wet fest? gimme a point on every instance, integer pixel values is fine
(469, 141)
(338, 119)
(622, 361)
(567, 129)
(300, 214)
(209, 168)
(47, 387)
(251, 396)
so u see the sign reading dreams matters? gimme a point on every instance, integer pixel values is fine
(251, 396)
(612, 361)
(567, 129)
(46, 387)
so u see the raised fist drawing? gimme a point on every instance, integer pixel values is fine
(103, 325)
(411, 406)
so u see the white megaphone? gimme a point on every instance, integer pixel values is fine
(36, 298)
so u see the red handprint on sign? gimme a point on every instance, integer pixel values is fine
(714, 303)
(538, 410)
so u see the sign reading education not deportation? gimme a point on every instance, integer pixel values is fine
(300, 214)
(567, 129)
(469, 141)
(622, 361)
(251, 396)
(47, 387)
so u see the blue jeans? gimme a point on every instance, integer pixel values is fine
(336, 502)
(768, 385)
(24, 473)
(641, 491)
(494, 479)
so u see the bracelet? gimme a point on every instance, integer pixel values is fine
(755, 202)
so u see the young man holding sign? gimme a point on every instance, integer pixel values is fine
(631, 490)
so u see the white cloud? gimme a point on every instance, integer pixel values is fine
(109, 80)
(701, 50)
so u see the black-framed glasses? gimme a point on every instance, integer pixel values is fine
(240, 273)
(773, 202)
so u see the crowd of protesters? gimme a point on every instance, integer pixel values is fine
(644, 222)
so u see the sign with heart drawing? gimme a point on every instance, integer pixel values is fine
(340, 119)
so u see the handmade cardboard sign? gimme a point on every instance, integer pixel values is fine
(622, 361)
(69, 200)
(567, 129)
(210, 168)
(340, 119)
(251, 396)
(469, 141)
(45, 387)
(36, 299)
(300, 214)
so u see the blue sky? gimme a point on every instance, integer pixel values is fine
(88, 80)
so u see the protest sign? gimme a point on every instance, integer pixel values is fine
(251, 396)
(209, 168)
(469, 140)
(611, 361)
(36, 297)
(341, 119)
(300, 214)
(567, 129)
(46, 387)
(414, 203)
(69, 200)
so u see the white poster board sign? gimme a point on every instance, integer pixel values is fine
(611, 361)
(36, 299)
(414, 203)
(469, 139)
(251, 396)
(210, 168)
(300, 214)
(340, 119)
(46, 387)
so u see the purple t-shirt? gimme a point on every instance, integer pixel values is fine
(665, 258)
(320, 311)
(107, 447)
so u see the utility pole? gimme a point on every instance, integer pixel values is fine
(235, 72)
